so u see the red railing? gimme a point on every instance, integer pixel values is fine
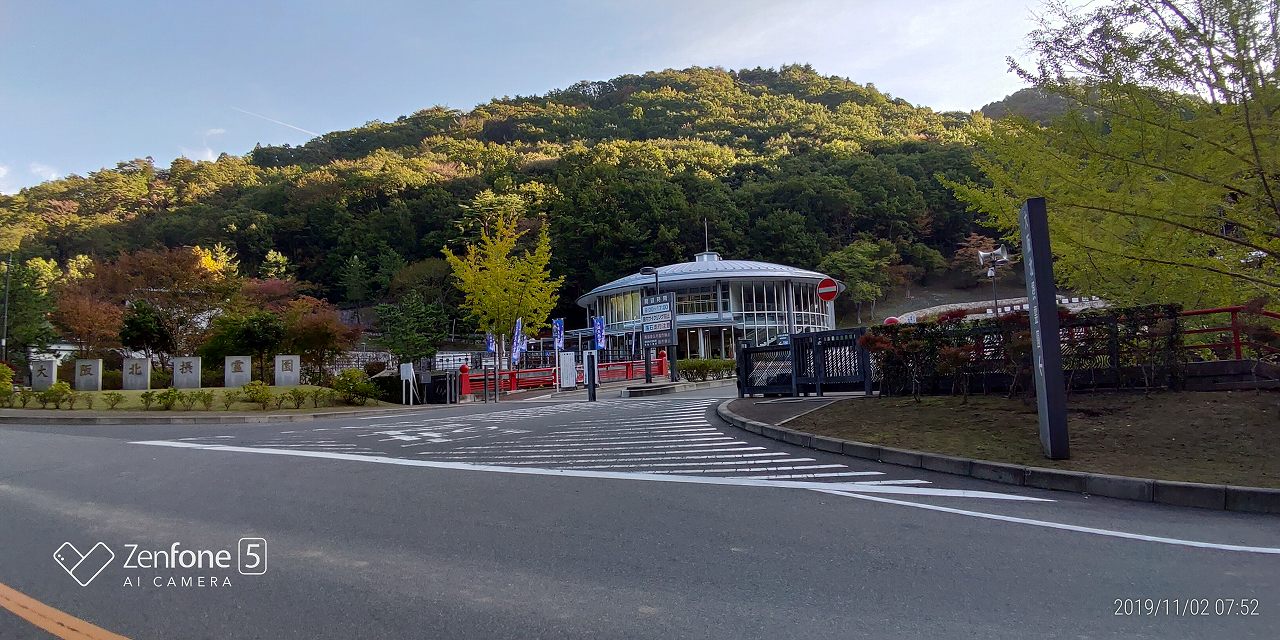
(1237, 341)
(477, 381)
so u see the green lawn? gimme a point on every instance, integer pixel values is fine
(133, 402)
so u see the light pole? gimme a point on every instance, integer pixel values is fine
(4, 333)
(995, 258)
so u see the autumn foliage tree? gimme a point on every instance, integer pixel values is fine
(87, 320)
(187, 287)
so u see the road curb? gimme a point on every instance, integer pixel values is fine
(200, 419)
(1184, 494)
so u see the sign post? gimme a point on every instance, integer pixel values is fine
(1046, 346)
(557, 338)
(658, 328)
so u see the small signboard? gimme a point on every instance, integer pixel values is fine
(658, 320)
(827, 289)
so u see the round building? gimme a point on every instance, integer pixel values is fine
(718, 302)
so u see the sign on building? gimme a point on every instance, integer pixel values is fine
(238, 371)
(137, 374)
(658, 320)
(287, 371)
(88, 375)
(186, 373)
(43, 374)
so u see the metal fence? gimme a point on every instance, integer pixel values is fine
(815, 362)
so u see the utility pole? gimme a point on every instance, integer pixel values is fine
(4, 333)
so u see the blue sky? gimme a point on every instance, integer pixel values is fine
(86, 84)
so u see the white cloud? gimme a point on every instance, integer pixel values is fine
(43, 171)
(939, 54)
(4, 184)
(214, 132)
(203, 153)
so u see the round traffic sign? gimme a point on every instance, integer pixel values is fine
(827, 289)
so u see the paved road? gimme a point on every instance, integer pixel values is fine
(644, 518)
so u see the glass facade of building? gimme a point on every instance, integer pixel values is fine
(718, 302)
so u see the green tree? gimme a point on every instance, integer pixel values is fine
(143, 329)
(258, 333)
(1162, 183)
(863, 267)
(275, 266)
(355, 282)
(30, 303)
(501, 282)
(411, 329)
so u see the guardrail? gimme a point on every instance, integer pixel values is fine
(541, 377)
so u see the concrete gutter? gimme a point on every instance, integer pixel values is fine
(1184, 494)
(641, 391)
(199, 417)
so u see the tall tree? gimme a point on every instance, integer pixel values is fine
(185, 288)
(1163, 183)
(411, 329)
(355, 277)
(501, 282)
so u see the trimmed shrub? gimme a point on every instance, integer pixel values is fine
(187, 399)
(258, 393)
(230, 397)
(204, 397)
(298, 397)
(168, 398)
(72, 399)
(88, 400)
(353, 387)
(55, 395)
(148, 398)
(113, 399)
(25, 396)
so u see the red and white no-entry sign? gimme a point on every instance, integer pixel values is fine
(827, 289)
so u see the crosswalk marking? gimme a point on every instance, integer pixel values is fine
(667, 437)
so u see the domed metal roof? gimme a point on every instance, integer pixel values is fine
(707, 267)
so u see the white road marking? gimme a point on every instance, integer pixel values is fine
(585, 455)
(796, 468)
(693, 438)
(1057, 525)
(652, 446)
(821, 475)
(585, 473)
(690, 464)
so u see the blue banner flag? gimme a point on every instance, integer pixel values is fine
(490, 343)
(598, 324)
(517, 342)
(557, 333)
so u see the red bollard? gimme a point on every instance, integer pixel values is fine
(465, 380)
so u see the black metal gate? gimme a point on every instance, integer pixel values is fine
(812, 363)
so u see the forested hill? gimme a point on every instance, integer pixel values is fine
(784, 165)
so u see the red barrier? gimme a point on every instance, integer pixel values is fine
(1236, 343)
(475, 382)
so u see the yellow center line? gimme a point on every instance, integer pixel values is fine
(62, 625)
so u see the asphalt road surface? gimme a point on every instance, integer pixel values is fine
(642, 518)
